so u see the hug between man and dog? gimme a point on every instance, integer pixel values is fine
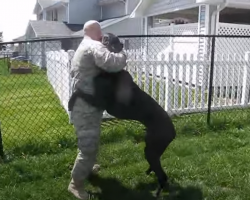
(101, 83)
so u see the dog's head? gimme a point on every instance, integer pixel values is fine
(112, 42)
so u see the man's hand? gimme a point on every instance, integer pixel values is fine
(109, 61)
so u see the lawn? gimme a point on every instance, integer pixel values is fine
(203, 162)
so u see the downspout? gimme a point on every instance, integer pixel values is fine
(126, 7)
(101, 13)
(214, 17)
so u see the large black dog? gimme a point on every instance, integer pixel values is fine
(121, 97)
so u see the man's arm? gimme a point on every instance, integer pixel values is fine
(109, 61)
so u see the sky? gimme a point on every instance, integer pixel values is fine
(14, 17)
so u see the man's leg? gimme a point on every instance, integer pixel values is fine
(87, 122)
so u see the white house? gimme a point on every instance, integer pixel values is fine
(65, 18)
(219, 17)
(202, 17)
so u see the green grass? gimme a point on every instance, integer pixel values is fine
(31, 114)
(203, 162)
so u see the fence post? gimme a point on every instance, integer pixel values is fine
(246, 81)
(211, 75)
(172, 38)
(169, 83)
(70, 57)
(43, 49)
(1, 144)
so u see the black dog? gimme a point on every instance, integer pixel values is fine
(104, 83)
(139, 106)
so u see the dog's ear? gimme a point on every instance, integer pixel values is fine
(105, 39)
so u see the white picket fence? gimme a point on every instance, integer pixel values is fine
(173, 80)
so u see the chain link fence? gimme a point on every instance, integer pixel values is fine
(190, 77)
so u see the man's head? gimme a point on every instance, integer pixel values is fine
(92, 29)
(112, 42)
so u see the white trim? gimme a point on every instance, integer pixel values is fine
(68, 12)
(141, 7)
(144, 5)
(145, 31)
(142, 27)
(33, 29)
(35, 9)
(44, 15)
(209, 2)
(28, 29)
(114, 21)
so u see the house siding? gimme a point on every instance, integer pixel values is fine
(62, 14)
(81, 11)
(49, 15)
(39, 8)
(239, 3)
(128, 27)
(39, 16)
(131, 5)
(113, 10)
(165, 6)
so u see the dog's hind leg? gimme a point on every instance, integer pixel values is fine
(155, 165)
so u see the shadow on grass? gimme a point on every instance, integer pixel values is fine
(112, 189)
(176, 192)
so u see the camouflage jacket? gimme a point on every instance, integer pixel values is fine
(90, 58)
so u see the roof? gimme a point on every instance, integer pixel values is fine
(74, 27)
(21, 38)
(48, 3)
(105, 24)
(45, 3)
(57, 3)
(53, 28)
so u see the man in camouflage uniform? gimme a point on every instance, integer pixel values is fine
(90, 57)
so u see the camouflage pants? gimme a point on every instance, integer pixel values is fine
(87, 122)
